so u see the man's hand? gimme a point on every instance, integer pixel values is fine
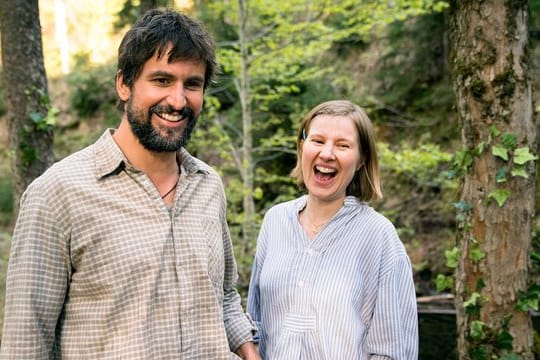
(248, 351)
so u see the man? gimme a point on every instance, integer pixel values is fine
(122, 250)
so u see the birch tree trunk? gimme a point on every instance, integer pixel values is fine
(25, 84)
(490, 66)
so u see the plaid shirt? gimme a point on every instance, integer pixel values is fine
(101, 268)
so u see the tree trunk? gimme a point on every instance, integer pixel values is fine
(25, 84)
(489, 62)
(248, 233)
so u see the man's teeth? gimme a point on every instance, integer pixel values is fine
(171, 117)
(324, 170)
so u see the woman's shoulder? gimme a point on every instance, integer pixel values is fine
(287, 207)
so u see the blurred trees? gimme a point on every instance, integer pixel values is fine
(277, 62)
(30, 114)
(491, 76)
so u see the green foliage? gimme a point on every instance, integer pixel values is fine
(444, 282)
(452, 257)
(6, 195)
(92, 88)
(528, 300)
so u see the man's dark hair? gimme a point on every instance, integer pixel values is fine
(153, 33)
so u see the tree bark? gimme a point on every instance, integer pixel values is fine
(25, 84)
(247, 172)
(491, 80)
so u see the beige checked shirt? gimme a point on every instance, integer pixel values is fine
(101, 268)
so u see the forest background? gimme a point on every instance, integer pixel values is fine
(392, 61)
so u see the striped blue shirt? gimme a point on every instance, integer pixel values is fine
(348, 293)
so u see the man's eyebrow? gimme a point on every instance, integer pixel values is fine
(160, 73)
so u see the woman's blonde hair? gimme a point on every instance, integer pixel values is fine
(366, 183)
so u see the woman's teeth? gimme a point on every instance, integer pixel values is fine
(325, 170)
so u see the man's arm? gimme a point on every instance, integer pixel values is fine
(36, 280)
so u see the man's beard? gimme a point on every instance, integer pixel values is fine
(149, 137)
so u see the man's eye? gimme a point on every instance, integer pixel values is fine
(194, 85)
(162, 81)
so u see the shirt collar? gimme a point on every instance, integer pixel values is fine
(109, 159)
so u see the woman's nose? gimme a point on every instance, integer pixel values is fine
(327, 152)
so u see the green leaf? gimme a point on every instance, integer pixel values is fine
(523, 155)
(36, 117)
(501, 175)
(477, 329)
(509, 140)
(520, 171)
(473, 301)
(500, 151)
(443, 282)
(476, 254)
(500, 196)
(493, 131)
(505, 340)
(463, 205)
(452, 257)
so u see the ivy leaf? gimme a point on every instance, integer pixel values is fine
(477, 329)
(500, 196)
(520, 171)
(509, 140)
(505, 340)
(500, 151)
(501, 175)
(443, 282)
(476, 254)
(452, 257)
(494, 131)
(523, 155)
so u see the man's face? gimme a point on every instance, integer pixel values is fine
(164, 102)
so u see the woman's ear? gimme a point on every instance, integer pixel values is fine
(122, 89)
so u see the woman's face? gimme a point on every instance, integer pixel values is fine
(330, 156)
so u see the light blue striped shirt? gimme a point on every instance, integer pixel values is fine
(348, 293)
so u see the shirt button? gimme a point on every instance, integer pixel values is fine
(310, 252)
(300, 284)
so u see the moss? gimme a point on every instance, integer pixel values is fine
(505, 84)
(477, 88)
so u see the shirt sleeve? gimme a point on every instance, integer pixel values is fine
(394, 328)
(37, 279)
(238, 324)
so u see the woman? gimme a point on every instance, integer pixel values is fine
(331, 279)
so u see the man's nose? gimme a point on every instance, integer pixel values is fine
(177, 97)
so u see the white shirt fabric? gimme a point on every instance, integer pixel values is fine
(348, 293)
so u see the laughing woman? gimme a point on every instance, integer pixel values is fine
(331, 278)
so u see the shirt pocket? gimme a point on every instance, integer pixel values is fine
(299, 339)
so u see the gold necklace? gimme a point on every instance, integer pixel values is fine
(315, 228)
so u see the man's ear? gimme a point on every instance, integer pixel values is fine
(122, 89)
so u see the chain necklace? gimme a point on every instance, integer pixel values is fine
(315, 227)
(170, 191)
